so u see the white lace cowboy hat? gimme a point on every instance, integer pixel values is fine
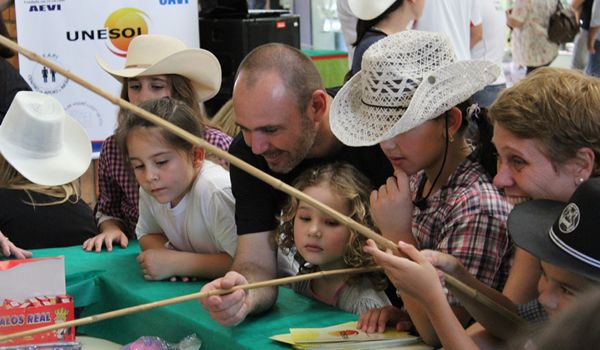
(406, 79)
(161, 54)
(368, 9)
(42, 142)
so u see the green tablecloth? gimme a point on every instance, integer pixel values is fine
(101, 282)
(331, 64)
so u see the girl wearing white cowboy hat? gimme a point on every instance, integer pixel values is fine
(411, 97)
(42, 152)
(156, 66)
(378, 19)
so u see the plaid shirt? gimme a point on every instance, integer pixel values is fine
(119, 192)
(467, 219)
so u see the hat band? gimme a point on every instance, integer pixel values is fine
(378, 106)
(571, 251)
(137, 65)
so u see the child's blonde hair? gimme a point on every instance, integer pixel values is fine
(348, 183)
(10, 178)
(175, 112)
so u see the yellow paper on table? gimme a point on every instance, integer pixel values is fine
(345, 332)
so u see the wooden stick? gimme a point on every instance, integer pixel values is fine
(486, 301)
(276, 183)
(188, 297)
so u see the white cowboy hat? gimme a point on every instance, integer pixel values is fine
(368, 9)
(42, 142)
(406, 79)
(161, 54)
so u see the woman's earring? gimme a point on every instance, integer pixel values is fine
(451, 138)
(579, 181)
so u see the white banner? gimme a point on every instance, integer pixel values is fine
(72, 32)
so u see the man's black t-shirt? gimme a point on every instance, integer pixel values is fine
(257, 204)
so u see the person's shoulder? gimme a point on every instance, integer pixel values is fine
(213, 175)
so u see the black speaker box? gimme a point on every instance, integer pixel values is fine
(230, 39)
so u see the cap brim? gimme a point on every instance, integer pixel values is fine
(72, 161)
(198, 65)
(529, 225)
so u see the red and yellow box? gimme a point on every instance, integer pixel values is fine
(34, 313)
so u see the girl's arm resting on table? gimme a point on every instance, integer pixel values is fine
(158, 264)
(153, 241)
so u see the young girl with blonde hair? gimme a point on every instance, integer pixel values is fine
(319, 242)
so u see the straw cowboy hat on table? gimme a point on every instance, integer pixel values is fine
(161, 54)
(406, 79)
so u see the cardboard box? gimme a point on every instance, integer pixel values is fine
(24, 303)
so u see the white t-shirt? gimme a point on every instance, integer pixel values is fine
(202, 222)
(453, 18)
(491, 47)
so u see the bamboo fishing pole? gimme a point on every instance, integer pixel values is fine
(274, 182)
(188, 297)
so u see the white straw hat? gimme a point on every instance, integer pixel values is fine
(369, 9)
(406, 79)
(42, 142)
(161, 54)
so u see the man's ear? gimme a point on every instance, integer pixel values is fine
(317, 108)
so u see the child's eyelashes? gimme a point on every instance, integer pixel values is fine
(331, 223)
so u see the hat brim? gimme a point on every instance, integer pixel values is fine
(69, 164)
(356, 124)
(529, 225)
(198, 65)
(368, 10)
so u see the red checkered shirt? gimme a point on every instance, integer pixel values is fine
(467, 219)
(119, 192)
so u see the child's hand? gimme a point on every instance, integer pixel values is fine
(156, 263)
(107, 238)
(8, 249)
(416, 277)
(392, 208)
(376, 320)
(445, 262)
